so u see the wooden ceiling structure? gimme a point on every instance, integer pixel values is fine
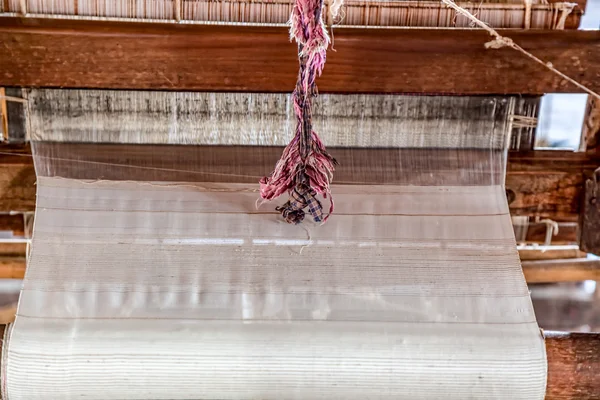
(117, 54)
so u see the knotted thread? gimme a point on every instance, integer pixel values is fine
(305, 169)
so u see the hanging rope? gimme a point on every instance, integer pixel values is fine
(305, 169)
(501, 41)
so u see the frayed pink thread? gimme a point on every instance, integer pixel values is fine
(305, 161)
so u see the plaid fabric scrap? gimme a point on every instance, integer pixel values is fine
(301, 197)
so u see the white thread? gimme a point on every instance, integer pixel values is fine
(528, 14)
(334, 8)
(551, 230)
(177, 10)
(522, 223)
(501, 41)
(565, 9)
(12, 98)
(23, 4)
(524, 121)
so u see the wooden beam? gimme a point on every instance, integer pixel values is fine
(548, 183)
(17, 178)
(16, 122)
(14, 223)
(589, 218)
(539, 183)
(590, 137)
(567, 233)
(133, 55)
(556, 253)
(12, 267)
(573, 366)
(566, 270)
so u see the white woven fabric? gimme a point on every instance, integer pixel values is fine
(165, 291)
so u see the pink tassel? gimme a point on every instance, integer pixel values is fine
(305, 168)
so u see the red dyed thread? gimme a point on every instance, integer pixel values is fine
(305, 169)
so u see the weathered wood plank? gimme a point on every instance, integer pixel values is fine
(17, 178)
(16, 120)
(566, 270)
(12, 267)
(560, 253)
(589, 218)
(567, 233)
(13, 223)
(590, 137)
(548, 183)
(13, 249)
(573, 366)
(99, 54)
(540, 183)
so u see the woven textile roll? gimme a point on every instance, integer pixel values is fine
(149, 281)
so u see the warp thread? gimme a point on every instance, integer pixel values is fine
(528, 14)
(23, 7)
(305, 169)
(565, 9)
(12, 98)
(524, 121)
(177, 10)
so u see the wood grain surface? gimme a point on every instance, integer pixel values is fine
(125, 55)
(539, 183)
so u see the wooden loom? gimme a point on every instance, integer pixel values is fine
(53, 52)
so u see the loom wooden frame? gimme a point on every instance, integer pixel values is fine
(66, 53)
(135, 55)
(539, 183)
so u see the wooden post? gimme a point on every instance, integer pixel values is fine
(589, 218)
(590, 135)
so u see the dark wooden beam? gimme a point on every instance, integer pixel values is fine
(590, 137)
(573, 366)
(566, 270)
(548, 183)
(16, 122)
(589, 218)
(123, 55)
(14, 223)
(539, 183)
(12, 267)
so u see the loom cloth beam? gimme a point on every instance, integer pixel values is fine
(573, 365)
(93, 54)
(542, 183)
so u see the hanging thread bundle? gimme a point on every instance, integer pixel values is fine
(305, 169)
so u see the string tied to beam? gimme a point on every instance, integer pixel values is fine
(501, 41)
(565, 9)
(305, 169)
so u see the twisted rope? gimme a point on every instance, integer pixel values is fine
(305, 169)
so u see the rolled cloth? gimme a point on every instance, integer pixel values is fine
(144, 283)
